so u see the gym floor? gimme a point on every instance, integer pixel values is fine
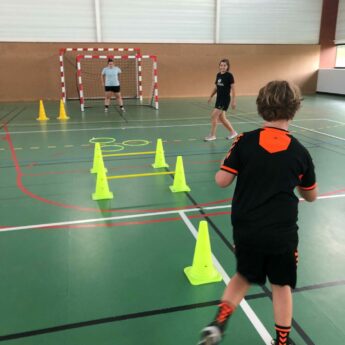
(74, 271)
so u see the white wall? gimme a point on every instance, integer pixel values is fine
(270, 21)
(331, 81)
(47, 21)
(160, 21)
(340, 31)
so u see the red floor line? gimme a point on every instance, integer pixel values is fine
(333, 193)
(86, 209)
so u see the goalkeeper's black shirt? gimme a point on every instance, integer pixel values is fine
(269, 164)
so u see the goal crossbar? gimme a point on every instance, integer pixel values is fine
(85, 50)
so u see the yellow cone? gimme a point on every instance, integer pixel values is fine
(102, 188)
(62, 112)
(98, 163)
(159, 157)
(202, 271)
(179, 184)
(42, 116)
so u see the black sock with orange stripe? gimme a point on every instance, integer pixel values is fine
(224, 312)
(282, 335)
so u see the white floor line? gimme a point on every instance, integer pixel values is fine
(93, 220)
(322, 197)
(157, 126)
(122, 128)
(318, 132)
(335, 121)
(213, 207)
(260, 328)
(131, 216)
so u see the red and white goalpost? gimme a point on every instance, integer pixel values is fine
(139, 77)
(68, 67)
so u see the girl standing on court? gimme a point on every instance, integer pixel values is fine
(225, 85)
(111, 83)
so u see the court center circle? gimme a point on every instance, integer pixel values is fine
(136, 142)
(102, 140)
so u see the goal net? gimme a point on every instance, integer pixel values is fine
(68, 66)
(138, 79)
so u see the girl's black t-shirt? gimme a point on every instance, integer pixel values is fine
(223, 83)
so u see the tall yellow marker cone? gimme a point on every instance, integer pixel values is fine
(42, 116)
(159, 157)
(98, 163)
(179, 184)
(102, 188)
(202, 271)
(62, 112)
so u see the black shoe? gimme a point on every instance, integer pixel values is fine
(211, 335)
(290, 342)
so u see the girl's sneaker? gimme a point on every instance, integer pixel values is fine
(232, 136)
(210, 138)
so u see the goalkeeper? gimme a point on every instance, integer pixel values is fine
(111, 83)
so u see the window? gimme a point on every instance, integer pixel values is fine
(340, 60)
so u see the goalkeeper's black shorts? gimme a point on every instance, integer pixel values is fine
(112, 88)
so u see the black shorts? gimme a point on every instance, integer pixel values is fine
(222, 103)
(112, 88)
(281, 269)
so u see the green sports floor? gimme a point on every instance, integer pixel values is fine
(74, 271)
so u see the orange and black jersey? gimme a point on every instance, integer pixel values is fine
(269, 164)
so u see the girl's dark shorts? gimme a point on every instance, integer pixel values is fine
(281, 268)
(222, 103)
(112, 88)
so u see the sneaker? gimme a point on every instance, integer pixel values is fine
(210, 335)
(122, 109)
(273, 342)
(210, 138)
(232, 136)
(105, 110)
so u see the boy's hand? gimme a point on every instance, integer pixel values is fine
(233, 104)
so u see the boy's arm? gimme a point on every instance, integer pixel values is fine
(103, 79)
(224, 178)
(307, 187)
(308, 195)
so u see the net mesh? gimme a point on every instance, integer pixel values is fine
(70, 65)
(91, 69)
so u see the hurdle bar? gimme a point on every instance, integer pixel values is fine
(140, 175)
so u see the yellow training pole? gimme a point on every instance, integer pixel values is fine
(129, 154)
(141, 175)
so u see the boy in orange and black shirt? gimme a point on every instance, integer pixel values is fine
(269, 164)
